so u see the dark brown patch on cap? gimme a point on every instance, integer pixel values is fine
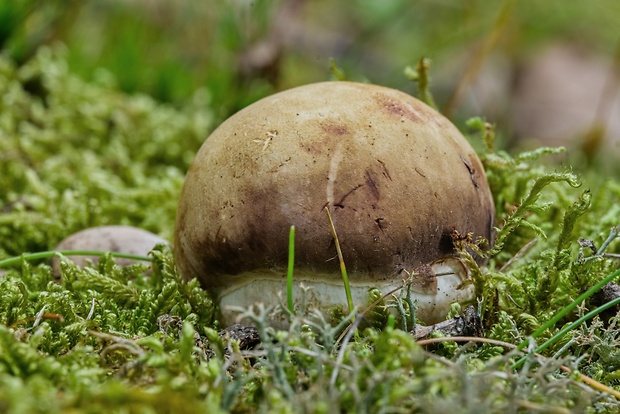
(395, 107)
(472, 172)
(372, 186)
(334, 129)
(384, 170)
(318, 142)
(261, 243)
(340, 203)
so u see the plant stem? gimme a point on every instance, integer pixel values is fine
(51, 253)
(570, 307)
(291, 265)
(343, 268)
(566, 329)
(613, 233)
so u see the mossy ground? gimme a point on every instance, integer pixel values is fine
(76, 154)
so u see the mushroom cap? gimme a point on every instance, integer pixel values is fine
(118, 239)
(397, 177)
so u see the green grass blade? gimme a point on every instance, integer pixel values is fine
(568, 328)
(51, 253)
(551, 322)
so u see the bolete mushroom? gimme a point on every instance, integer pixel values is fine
(116, 239)
(397, 177)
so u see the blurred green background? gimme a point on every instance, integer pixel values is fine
(488, 57)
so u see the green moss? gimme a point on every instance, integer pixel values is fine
(76, 154)
(140, 339)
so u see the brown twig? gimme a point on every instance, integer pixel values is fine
(246, 335)
(466, 324)
(52, 316)
(522, 252)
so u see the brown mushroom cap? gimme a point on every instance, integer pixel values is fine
(398, 179)
(119, 239)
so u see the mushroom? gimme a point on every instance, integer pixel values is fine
(396, 176)
(117, 239)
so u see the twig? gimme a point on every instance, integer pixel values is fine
(522, 252)
(246, 335)
(466, 324)
(614, 232)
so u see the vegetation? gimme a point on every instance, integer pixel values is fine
(79, 151)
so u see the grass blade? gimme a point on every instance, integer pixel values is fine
(343, 268)
(291, 265)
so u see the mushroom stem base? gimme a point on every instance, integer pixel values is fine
(439, 285)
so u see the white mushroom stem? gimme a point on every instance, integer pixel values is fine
(445, 284)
